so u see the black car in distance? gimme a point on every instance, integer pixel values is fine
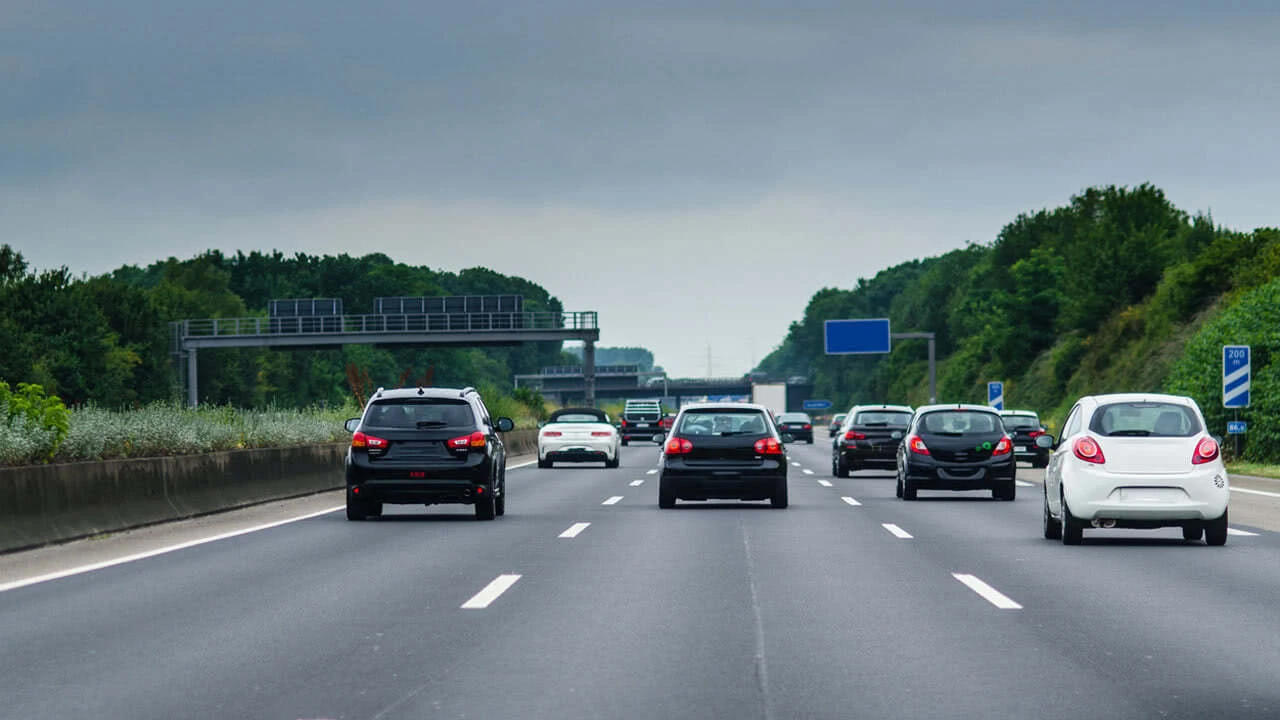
(836, 422)
(426, 446)
(869, 438)
(956, 447)
(1024, 427)
(723, 451)
(799, 425)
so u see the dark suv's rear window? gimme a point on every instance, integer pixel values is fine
(424, 413)
(722, 422)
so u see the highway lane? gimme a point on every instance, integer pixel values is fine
(621, 610)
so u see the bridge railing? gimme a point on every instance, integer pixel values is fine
(382, 324)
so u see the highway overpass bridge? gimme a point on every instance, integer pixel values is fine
(566, 386)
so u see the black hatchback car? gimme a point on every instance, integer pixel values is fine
(797, 424)
(1024, 427)
(723, 451)
(956, 447)
(426, 446)
(869, 438)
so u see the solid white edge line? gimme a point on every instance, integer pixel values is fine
(575, 530)
(637, 483)
(1255, 492)
(523, 464)
(896, 531)
(851, 501)
(613, 500)
(1241, 533)
(988, 593)
(15, 584)
(491, 592)
(824, 483)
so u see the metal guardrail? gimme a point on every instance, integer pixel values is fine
(572, 370)
(382, 324)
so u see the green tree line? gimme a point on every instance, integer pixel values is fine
(106, 340)
(1118, 290)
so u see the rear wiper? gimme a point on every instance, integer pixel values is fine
(1128, 433)
(432, 423)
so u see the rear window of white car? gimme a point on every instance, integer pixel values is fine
(1145, 419)
(577, 418)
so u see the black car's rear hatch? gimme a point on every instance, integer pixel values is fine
(727, 449)
(964, 448)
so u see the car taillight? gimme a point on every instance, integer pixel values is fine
(679, 446)
(807, 426)
(624, 422)
(855, 435)
(363, 440)
(1004, 447)
(1036, 433)
(474, 440)
(551, 433)
(1206, 451)
(917, 446)
(601, 433)
(768, 446)
(1088, 450)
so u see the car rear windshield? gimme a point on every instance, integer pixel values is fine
(883, 417)
(1019, 422)
(961, 422)
(722, 422)
(1142, 419)
(425, 413)
(793, 418)
(577, 418)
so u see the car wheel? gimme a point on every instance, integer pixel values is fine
(544, 464)
(1052, 528)
(613, 463)
(1006, 491)
(485, 507)
(897, 490)
(835, 472)
(1215, 530)
(1192, 532)
(908, 489)
(356, 509)
(1072, 528)
(779, 499)
(666, 494)
(624, 443)
(842, 468)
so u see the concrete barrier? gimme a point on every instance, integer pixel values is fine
(43, 504)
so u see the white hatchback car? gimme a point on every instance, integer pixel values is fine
(1136, 461)
(578, 435)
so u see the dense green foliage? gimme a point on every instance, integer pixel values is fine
(1116, 291)
(33, 425)
(106, 339)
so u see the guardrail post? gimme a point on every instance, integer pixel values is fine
(193, 396)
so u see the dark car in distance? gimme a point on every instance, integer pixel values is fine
(869, 438)
(426, 446)
(723, 451)
(796, 424)
(956, 447)
(834, 426)
(1024, 427)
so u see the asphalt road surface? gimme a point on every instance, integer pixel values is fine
(587, 601)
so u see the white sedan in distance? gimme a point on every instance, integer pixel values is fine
(578, 435)
(1135, 461)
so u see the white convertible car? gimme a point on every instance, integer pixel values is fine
(578, 435)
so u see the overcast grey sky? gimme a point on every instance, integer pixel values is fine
(694, 171)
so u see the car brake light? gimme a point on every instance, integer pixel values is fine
(1036, 433)
(624, 422)
(807, 426)
(551, 433)
(855, 435)
(1004, 447)
(362, 440)
(917, 446)
(474, 440)
(679, 446)
(1206, 451)
(768, 446)
(601, 433)
(1088, 450)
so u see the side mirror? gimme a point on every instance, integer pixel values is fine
(505, 424)
(788, 438)
(351, 424)
(896, 435)
(1044, 441)
(659, 438)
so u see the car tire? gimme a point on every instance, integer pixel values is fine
(1193, 532)
(1072, 528)
(779, 498)
(615, 462)
(842, 468)
(357, 509)
(1215, 530)
(544, 464)
(485, 507)
(897, 490)
(1007, 491)
(908, 489)
(624, 443)
(666, 494)
(1052, 527)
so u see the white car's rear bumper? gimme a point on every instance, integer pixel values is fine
(1201, 494)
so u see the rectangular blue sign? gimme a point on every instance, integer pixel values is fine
(856, 337)
(816, 404)
(995, 394)
(1235, 376)
(1237, 427)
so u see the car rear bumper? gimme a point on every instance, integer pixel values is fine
(413, 492)
(727, 482)
(578, 450)
(871, 457)
(1093, 494)
(934, 475)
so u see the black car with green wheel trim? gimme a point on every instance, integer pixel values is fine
(956, 447)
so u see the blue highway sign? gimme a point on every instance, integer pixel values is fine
(856, 337)
(995, 394)
(1237, 427)
(816, 404)
(1235, 376)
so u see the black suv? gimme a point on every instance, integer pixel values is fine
(428, 446)
(957, 447)
(869, 438)
(1024, 427)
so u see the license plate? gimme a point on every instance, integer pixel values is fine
(1022, 448)
(640, 425)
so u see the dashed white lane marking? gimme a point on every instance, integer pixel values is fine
(491, 592)
(613, 500)
(652, 472)
(897, 531)
(15, 584)
(1255, 492)
(637, 483)
(988, 593)
(807, 471)
(851, 501)
(1241, 533)
(523, 464)
(795, 464)
(575, 530)
(824, 483)
(1024, 483)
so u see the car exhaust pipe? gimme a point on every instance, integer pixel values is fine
(1104, 523)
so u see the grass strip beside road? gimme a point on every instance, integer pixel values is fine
(1254, 469)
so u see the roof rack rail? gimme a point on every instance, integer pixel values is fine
(465, 390)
